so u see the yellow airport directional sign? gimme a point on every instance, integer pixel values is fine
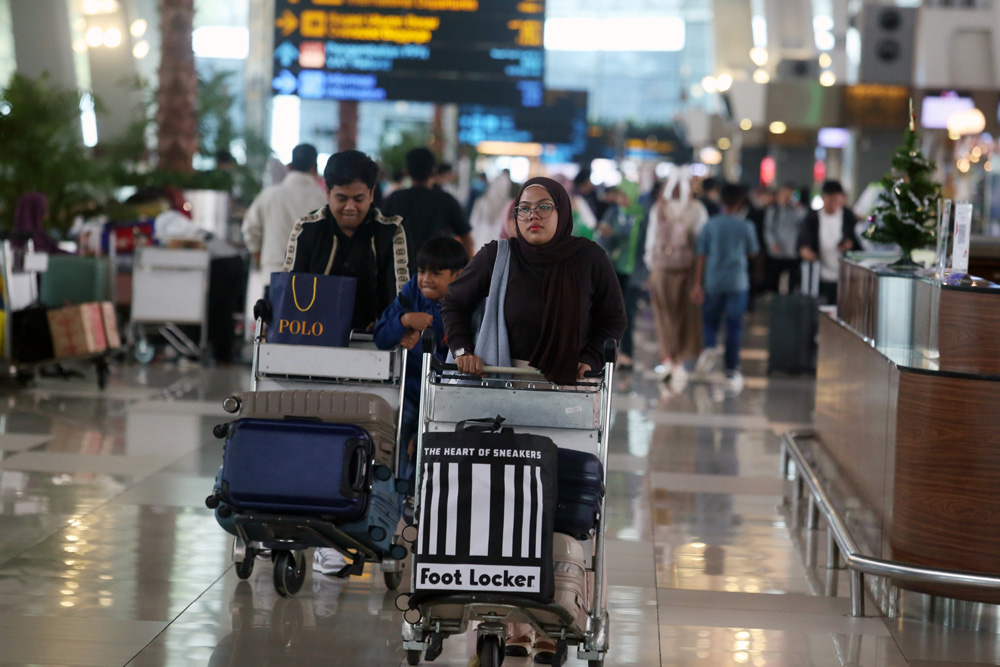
(287, 22)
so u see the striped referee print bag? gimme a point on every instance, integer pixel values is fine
(487, 504)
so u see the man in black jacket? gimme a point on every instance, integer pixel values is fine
(826, 235)
(350, 237)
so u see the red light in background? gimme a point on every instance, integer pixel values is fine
(819, 171)
(767, 171)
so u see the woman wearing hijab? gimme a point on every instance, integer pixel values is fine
(566, 298)
(565, 303)
(674, 222)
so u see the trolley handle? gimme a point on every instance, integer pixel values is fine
(427, 347)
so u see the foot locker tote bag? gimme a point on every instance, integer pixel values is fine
(487, 505)
(310, 309)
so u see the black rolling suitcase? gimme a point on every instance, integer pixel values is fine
(581, 490)
(791, 340)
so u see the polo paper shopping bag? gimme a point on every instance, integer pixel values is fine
(311, 309)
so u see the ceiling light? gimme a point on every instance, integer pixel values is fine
(710, 84)
(825, 60)
(758, 56)
(140, 50)
(138, 28)
(710, 155)
(95, 36)
(724, 82)
(725, 143)
(746, 124)
(966, 121)
(827, 79)
(778, 127)
(761, 76)
(113, 37)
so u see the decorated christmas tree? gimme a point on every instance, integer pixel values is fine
(906, 211)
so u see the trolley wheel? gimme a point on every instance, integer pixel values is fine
(289, 573)
(412, 657)
(562, 649)
(393, 579)
(490, 652)
(245, 567)
(144, 351)
(595, 663)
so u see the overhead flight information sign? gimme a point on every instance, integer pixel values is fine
(446, 51)
(561, 119)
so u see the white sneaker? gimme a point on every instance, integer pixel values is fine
(328, 561)
(664, 369)
(678, 378)
(734, 381)
(706, 363)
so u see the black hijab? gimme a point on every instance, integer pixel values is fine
(557, 352)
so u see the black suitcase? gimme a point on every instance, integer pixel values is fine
(581, 490)
(31, 338)
(791, 339)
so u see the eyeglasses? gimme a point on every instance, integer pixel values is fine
(542, 210)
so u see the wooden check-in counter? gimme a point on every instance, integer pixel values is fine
(908, 407)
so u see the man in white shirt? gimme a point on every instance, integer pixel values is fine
(826, 235)
(271, 216)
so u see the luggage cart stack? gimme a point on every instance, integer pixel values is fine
(577, 419)
(324, 414)
(19, 271)
(169, 288)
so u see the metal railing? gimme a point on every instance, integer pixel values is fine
(840, 542)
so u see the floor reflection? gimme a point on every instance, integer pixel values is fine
(109, 557)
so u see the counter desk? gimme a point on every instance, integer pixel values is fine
(908, 408)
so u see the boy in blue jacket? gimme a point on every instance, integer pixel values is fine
(418, 307)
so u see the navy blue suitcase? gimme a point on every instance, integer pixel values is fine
(581, 490)
(297, 467)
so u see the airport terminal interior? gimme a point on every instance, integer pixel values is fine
(825, 498)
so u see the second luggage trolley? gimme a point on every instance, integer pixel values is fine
(169, 288)
(359, 368)
(575, 418)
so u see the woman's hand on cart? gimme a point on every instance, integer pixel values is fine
(469, 364)
(581, 370)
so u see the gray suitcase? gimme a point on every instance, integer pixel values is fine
(368, 411)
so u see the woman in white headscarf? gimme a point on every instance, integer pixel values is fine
(674, 222)
(491, 210)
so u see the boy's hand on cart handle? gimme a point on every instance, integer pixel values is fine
(417, 321)
(410, 339)
(582, 369)
(469, 364)
(697, 295)
(807, 254)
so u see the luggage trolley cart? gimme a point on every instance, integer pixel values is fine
(576, 418)
(19, 270)
(169, 287)
(362, 368)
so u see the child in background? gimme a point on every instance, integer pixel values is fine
(722, 280)
(418, 306)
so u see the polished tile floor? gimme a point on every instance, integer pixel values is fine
(108, 555)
